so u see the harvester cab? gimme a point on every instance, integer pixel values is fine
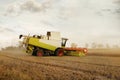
(63, 43)
(49, 44)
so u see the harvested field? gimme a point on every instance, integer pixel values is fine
(16, 65)
(105, 52)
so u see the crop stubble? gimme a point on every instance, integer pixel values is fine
(26, 67)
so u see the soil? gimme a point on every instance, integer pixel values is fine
(15, 64)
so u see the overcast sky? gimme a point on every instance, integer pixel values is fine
(82, 21)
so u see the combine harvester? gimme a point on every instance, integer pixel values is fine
(50, 44)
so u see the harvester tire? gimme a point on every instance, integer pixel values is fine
(39, 53)
(34, 52)
(59, 52)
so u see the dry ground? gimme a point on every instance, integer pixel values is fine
(16, 65)
(105, 52)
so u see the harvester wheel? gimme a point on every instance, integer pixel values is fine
(59, 52)
(34, 52)
(39, 53)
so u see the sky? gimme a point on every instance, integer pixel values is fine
(81, 21)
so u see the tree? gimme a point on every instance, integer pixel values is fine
(107, 46)
(86, 45)
(115, 46)
(94, 45)
(73, 45)
(100, 46)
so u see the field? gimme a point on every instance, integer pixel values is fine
(99, 64)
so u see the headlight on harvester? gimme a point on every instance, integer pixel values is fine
(85, 50)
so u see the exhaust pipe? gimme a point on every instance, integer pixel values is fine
(20, 36)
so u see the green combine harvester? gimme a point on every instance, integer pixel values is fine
(50, 44)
